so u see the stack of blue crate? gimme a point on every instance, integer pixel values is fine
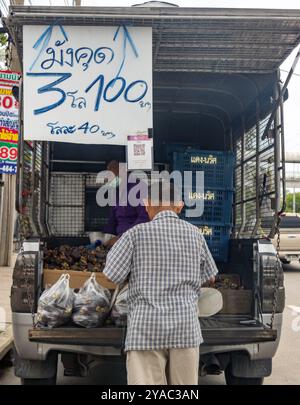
(216, 221)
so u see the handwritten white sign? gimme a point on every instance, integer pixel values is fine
(87, 84)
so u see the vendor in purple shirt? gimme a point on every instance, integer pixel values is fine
(125, 217)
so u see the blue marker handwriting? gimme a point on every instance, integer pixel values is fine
(44, 40)
(57, 129)
(83, 55)
(61, 129)
(54, 50)
(126, 38)
(77, 102)
(110, 93)
(131, 93)
(51, 87)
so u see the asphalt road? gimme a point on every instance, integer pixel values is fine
(286, 364)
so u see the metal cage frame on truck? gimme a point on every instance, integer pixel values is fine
(240, 42)
(221, 64)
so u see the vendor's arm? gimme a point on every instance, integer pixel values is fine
(111, 241)
(119, 259)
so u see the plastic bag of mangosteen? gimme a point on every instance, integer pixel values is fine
(91, 304)
(56, 304)
(120, 307)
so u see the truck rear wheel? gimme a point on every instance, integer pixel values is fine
(233, 380)
(38, 381)
(36, 372)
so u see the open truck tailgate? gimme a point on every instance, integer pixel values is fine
(215, 331)
(235, 330)
(112, 337)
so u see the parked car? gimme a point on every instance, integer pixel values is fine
(289, 247)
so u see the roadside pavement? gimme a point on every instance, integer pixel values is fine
(6, 338)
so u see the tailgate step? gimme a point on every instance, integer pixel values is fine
(113, 337)
(221, 331)
(215, 332)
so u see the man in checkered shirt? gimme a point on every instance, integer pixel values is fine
(166, 261)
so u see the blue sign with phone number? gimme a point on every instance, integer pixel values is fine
(8, 168)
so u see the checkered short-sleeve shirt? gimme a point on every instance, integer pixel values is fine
(166, 260)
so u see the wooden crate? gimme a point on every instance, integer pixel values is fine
(230, 278)
(236, 302)
(77, 278)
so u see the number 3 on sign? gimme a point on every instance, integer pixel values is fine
(51, 88)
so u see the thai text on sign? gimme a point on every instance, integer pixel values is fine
(87, 84)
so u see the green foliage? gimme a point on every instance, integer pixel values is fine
(3, 39)
(289, 202)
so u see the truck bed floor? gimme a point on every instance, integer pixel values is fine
(217, 330)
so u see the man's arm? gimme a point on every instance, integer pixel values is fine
(209, 283)
(208, 266)
(119, 259)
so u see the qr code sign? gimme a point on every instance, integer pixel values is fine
(139, 150)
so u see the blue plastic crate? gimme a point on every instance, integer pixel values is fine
(179, 147)
(217, 237)
(216, 165)
(217, 205)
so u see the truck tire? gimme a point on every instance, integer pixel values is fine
(38, 381)
(6, 361)
(233, 380)
(36, 372)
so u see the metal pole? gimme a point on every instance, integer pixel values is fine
(283, 160)
(257, 172)
(277, 160)
(243, 208)
(278, 98)
(277, 163)
(99, 162)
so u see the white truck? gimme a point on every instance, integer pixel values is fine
(216, 86)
